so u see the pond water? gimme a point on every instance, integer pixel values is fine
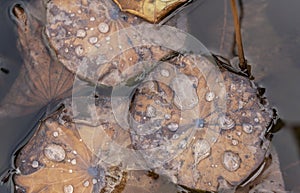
(271, 35)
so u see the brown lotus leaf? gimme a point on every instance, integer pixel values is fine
(42, 79)
(189, 121)
(57, 160)
(216, 133)
(151, 10)
(97, 41)
(68, 167)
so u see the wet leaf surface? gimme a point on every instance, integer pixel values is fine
(153, 11)
(97, 41)
(183, 121)
(68, 167)
(211, 143)
(57, 160)
(42, 79)
(210, 148)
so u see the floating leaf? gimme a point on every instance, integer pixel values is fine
(42, 78)
(97, 41)
(151, 10)
(57, 160)
(197, 138)
(185, 118)
(211, 148)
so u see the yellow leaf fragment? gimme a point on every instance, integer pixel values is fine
(151, 10)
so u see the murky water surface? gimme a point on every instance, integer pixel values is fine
(271, 32)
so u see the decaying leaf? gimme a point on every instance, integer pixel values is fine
(97, 41)
(42, 78)
(208, 149)
(57, 160)
(188, 121)
(211, 143)
(151, 10)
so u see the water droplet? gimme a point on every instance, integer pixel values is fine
(79, 50)
(35, 164)
(201, 149)
(68, 189)
(241, 104)
(86, 183)
(182, 144)
(73, 162)
(185, 94)
(55, 134)
(103, 27)
(93, 40)
(173, 127)
(231, 161)
(55, 152)
(199, 123)
(210, 96)
(165, 73)
(234, 142)
(226, 122)
(92, 19)
(256, 119)
(167, 116)
(81, 33)
(175, 136)
(247, 128)
(150, 111)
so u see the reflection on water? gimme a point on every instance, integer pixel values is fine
(271, 43)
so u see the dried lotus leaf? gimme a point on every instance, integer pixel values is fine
(91, 39)
(44, 168)
(57, 160)
(42, 79)
(218, 145)
(45, 172)
(151, 10)
(98, 42)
